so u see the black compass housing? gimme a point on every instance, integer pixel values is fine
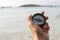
(39, 19)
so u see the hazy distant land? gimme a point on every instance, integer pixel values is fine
(31, 5)
(35, 5)
(6, 7)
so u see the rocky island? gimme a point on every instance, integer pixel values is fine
(36, 5)
(31, 5)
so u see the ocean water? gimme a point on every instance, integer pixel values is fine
(13, 22)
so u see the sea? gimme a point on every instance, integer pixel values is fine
(13, 22)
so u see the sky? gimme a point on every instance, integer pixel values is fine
(22, 2)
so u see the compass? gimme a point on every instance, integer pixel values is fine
(39, 19)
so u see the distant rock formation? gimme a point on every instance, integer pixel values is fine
(31, 5)
(35, 5)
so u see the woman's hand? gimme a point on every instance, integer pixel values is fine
(39, 33)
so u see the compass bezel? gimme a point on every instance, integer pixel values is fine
(38, 14)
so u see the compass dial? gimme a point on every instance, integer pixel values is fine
(39, 19)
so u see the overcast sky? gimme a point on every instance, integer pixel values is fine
(20, 2)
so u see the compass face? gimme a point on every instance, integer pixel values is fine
(39, 19)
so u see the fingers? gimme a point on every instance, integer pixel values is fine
(30, 19)
(46, 28)
(46, 17)
(43, 14)
(34, 27)
(30, 22)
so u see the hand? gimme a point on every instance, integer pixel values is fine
(39, 33)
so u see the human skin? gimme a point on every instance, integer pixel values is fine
(39, 32)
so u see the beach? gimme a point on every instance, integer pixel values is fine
(13, 22)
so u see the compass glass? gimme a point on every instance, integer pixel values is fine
(39, 19)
